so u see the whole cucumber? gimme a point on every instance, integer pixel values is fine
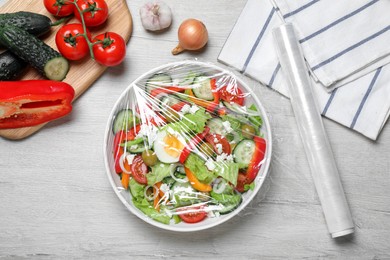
(33, 23)
(10, 66)
(34, 51)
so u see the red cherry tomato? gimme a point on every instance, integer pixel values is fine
(70, 43)
(232, 94)
(139, 170)
(242, 180)
(109, 49)
(218, 142)
(95, 12)
(192, 217)
(59, 8)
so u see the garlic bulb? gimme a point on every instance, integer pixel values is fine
(155, 16)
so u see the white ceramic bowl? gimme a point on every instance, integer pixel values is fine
(124, 195)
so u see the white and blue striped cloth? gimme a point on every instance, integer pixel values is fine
(346, 45)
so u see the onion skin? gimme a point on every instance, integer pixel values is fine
(192, 36)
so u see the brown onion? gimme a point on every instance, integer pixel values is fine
(192, 36)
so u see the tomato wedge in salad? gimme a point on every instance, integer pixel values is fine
(220, 143)
(139, 169)
(194, 214)
(232, 94)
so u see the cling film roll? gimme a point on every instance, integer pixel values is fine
(188, 146)
(319, 154)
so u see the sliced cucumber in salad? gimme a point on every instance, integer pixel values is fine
(188, 80)
(202, 88)
(158, 80)
(124, 120)
(216, 126)
(243, 152)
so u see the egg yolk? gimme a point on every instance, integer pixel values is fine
(173, 146)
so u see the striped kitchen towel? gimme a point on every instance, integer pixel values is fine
(343, 43)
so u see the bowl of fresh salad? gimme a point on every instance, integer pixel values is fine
(187, 146)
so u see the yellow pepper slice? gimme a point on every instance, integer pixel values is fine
(196, 184)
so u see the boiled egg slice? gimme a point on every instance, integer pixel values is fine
(168, 146)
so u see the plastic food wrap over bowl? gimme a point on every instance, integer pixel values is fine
(187, 146)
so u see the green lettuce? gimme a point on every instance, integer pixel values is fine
(139, 201)
(235, 123)
(136, 189)
(226, 198)
(147, 208)
(191, 122)
(256, 120)
(227, 170)
(158, 173)
(198, 168)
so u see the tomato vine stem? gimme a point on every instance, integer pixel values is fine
(84, 34)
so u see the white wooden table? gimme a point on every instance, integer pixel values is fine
(56, 200)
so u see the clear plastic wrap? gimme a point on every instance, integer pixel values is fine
(315, 140)
(187, 146)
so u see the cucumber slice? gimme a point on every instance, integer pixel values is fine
(158, 80)
(216, 126)
(123, 120)
(188, 80)
(169, 100)
(56, 68)
(202, 88)
(243, 152)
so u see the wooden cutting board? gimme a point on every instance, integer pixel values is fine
(82, 73)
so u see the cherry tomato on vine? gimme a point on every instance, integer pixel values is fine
(70, 43)
(95, 12)
(59, 8)
(109, 49)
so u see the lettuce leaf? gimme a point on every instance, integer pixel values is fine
(198, 168)
(158, 173)
(136, 189)
(227, 170)
(256, 120)
(139, 201)
(235, 123)
(147, 208)
(191, 122)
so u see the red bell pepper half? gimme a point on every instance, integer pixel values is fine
(33, 102)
